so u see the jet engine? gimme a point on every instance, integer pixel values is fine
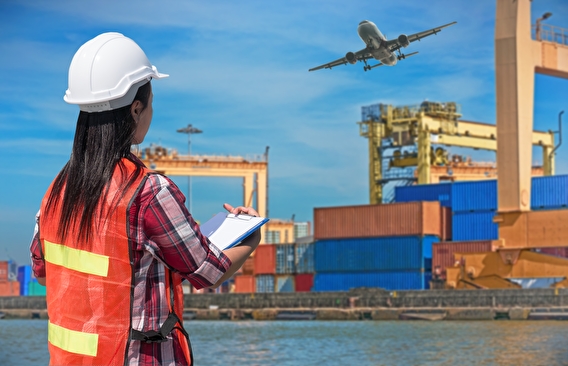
(403, 40)
(350, 56)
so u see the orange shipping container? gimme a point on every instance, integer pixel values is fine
(245, 284)
(265, 259)
(443, 253)
(395, 219)
(9, 288)
(3, 271)
(248, 266)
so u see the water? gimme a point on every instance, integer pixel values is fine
(323, 343)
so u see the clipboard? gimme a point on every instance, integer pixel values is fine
(225, 230)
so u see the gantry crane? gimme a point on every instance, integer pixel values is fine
(253, 170)
(427, 124)
(517, 58)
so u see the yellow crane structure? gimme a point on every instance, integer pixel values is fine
(432, 123)
(517, 58)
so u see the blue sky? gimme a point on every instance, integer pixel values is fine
(239, 72)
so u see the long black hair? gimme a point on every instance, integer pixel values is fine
(102, 140)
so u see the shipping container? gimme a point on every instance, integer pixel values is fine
(245, 284)
(35, 289)
(474, 196)
(371, 221)
(248, 266)
(305, 257)
(264, 283)
(467, 226)
(284, 283)
(374, 254)
(24, 278)
(549, 192)
(443, 253)
(285, 259)
(561, 252)
(304, 282)
(3, 271)
(441, 192)
(265, 259)
(399, 280)
(9, 288)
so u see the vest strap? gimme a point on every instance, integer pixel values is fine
(152, 336)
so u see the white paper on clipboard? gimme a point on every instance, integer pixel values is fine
(226, 230)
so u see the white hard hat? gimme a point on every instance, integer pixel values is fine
(106, 72)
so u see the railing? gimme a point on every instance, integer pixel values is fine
(550, 33)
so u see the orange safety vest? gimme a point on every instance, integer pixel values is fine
(89, 286)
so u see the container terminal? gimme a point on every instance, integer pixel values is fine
(443, 236)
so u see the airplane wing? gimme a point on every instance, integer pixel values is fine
(395, 44)
(361, 55)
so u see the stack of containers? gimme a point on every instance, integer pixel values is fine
(473, 205)
(264, 267)
(285, 268)
(7, 286)
(387, 246)
(304, 263)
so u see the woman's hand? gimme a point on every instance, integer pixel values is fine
(240, 210)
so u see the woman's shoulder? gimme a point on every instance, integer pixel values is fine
(156, 182)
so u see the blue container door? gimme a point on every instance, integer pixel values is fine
(265, 283)
(304, 258)
(285, 258)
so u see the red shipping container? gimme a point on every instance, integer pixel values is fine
(443, 253)
(394, 219)
(561, 252)
(304, 282)
(265, 259)
(3, 271)
(245, 284)
(9, 288)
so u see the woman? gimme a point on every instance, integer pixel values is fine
(113, 240)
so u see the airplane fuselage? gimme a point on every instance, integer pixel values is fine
(375, 41)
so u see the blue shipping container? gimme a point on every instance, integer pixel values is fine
(284, 283)
(374, 254)
(549, 192)
(305, 257)
(468, 226)
(474, 196)
(264, 283)
(285, 258)
(441, 192)
(24, 278)
(400, 280)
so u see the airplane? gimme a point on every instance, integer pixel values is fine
(379, 48)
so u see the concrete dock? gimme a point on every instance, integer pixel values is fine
(360, 304)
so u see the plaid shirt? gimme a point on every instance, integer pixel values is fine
(164, 234)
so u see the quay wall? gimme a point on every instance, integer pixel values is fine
(358, 304)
